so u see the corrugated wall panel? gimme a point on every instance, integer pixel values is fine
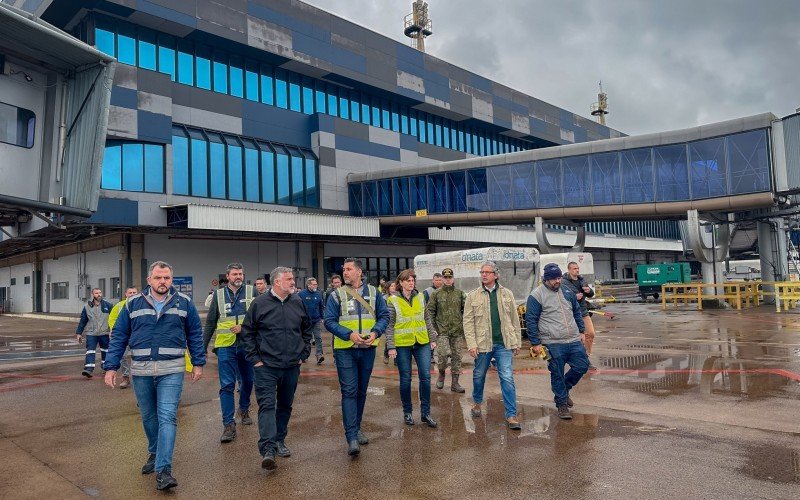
(791, 139)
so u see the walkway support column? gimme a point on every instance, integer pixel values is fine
(773, 253)
(545, 246)
(710, 254)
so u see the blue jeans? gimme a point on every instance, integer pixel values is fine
(317, 336)
(275, 389)
(92, 341)
(503, 357)
(572, 354)
(158, 399)
(354, 367)
(231, 365)
(421, 353)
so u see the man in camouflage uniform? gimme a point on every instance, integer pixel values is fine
(445, 312)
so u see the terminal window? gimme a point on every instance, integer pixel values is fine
(61, 290)
(17, 125)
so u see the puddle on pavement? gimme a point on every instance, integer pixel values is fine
(772, 463)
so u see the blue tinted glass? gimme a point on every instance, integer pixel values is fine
(252, 181)
(132, 167)
(203, 68)
(312, 195)
(267, 90)
(294, 97)
(395, 121)
(104, 40)
(468, 142)
(147, 55)
(321, 101)
(577, 181)
(185, 68)
(606, 179)
(385, 197)
(400, 197)
(523, 185)
(237, 81)
(180, 165)
(499, 184)
(429, 134)
(220, 77)
(355, 109)
(370, 199)
(199, 168)
(126, 47)
(281, 91)
(112, 168)
(412, 129)
(748, 162)
(365, 113)
(481, 146)
(282, 178)
(354, 193)
(422, 129)
(477, 191)
(385, 123)
(438, 136)
(637, 176)
(446, 136)
(218, 177)
(267, 177)
(153, 168)
(333, 105)
(344, 108)
(403, 123)
(308, 100)
(453, 138)
(707, 168)
(419, 193)
(461, 144)
(376, 115)
(548, 183)
(251, 85)
(457, 191)
(298, 174)
(235, 181)
(437, 194)
(166, 61)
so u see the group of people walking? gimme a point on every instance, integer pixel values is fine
(262, 334)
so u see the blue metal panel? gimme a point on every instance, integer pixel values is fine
(124, 98)
(116, 211)
(345, 143)
(276, 124)
(165, 13)
(154, 127)
(409, 143)
(286, 21)
(437, 90)
(410, 55)
(481, 83)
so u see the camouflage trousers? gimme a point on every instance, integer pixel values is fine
(446, 345)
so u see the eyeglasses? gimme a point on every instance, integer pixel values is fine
(487, 272)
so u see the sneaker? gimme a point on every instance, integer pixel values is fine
(320, 359)
(476, 410)
(430, 421)
(268, 460)
(245, 414)
(164, 480)
(150, 466)
(282, 450)
(513, 423)
(229, 434)
(408, 419)
(86, 373)
(126, 382)
(362, 438)
(563, 413)
(569, 402)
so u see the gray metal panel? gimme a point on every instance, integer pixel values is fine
(791, 148)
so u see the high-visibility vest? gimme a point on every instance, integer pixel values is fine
(350, 319)
(226, 338)
(409, 321)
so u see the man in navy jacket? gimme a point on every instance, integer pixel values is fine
(312, 300)
(94, 326)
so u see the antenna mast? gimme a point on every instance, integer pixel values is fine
(600, 108)
(418, 25)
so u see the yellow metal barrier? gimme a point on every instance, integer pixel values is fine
(738, 293)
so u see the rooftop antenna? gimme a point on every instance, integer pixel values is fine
(418, 25)
(600, 108)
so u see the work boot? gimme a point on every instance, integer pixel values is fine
(245, 414)
(427, 419)
(569, 402)
(164, 480)
(455, 386)
(353, 448)
(150, 466)
(476, 410)
(385, 359)
(229, 434)
(408, 418)
(282, 450)
(320, 359)
(440, 380)
(86, 373)
(362, 438)
(513, 423)
(268, 460)
(126, 382)
(563, 413)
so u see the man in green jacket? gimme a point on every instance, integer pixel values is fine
(112, 319)
(445, 318)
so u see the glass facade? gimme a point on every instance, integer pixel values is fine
(722, 166)
(215, 165)
(225, 73)
(133, 166)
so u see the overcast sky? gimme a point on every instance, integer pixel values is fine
(665, 64)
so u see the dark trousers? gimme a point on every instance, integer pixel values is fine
(572, 354)
(93, 342)
(274, 393)
(354, 367)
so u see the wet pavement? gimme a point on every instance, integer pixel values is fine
(684, 404)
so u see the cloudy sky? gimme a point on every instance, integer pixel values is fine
(665, 64)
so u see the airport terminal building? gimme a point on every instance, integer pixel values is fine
(232, 130)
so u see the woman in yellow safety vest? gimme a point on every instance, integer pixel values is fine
(407, 336)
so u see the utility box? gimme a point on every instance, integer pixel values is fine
(650, 277)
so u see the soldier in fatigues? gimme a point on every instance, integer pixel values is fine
(445, 317)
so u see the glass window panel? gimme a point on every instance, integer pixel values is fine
(235, 180)
(477, 192)
(112, 167)
(395, 120)
(147, 51)
(499, 184)
(422, 129)
(133, 167)
(126, 49)
(298, 175)
(333, 101)
(748, 162)
(166, 56)
(412, 122)
(672, 175)
(355, 107)
(404, 122)
(252, 181)
(344, 106)
(185, 64)
(267, 88)
(400, 197)
(370, 199)
(577, 181)
(308, 96)
(312, 193)
(430, 134)
(220, 74)
(523, 185)
(606, 179)
(281, 90)
(251, 81)
(199, 167)
(548, 183)
(438, 135)
(637, 176)
(385, 197)
(236, 77)
(354, 197)
(202, 64)
(153, 168)
(282, 177)
(365, 111)
(708, 168)
(419, 193)
(104, 41)
(295, 99)
(218, 177)
(321, 99)
(457, 191)
(180, 164)
(267, 176)
(385, 117)
(446, 136)
(461, 145)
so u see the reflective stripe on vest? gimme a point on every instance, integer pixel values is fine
(225, 338)
(409, 321)
(351, 321)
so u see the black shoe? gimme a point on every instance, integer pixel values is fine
(164, 480)
(229, 434)
(320, 359)
(150, 466)
(408, 418)
(268, 461)
(386, 360)
(282, 450)
(362, 438)
(430, 421)
(86, 373)
(563, 413)
(353, 448)
(246, 419)
(569, 402)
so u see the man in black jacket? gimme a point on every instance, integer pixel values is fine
(276, 337)
(574, 282)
